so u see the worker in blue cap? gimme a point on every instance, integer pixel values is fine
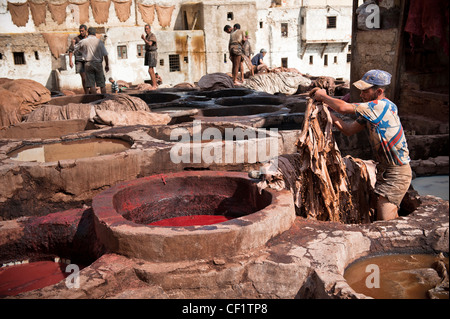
(386, 135)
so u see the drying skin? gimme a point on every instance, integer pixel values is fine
(147, 12)
(19, 13)
(318, 176)
(58, 11)
(38, 12)
(122, 9)
(100, 10)
(83, 11)
(57, 43)
(164, 15)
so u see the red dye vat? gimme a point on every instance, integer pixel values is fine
(26, 277)
(193, 220)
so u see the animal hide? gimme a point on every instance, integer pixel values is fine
(147, 12)
(325, 186)
(19, 13)
(164, 15)
(58, 11)
(57, 43)
(122, 9)
(100, 10)
(38, 11)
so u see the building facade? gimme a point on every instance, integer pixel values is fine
(311, 36)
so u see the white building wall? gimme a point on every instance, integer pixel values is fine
(206, 55)
(294, 47)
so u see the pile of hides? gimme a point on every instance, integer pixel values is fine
(69, 111)
(277, 82)
(115, 110)
(140, 117)
(324, 185)
(324, 82)
(145, 87)
(20, 97)
(122, 103)
(215, 81)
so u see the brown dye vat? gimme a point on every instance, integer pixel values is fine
(69, 150)
(401, 276)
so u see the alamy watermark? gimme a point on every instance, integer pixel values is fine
(226, 146)
(73, 280)
(373, 279)
(373, 19)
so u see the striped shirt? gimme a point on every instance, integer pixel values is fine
(114, 87)
(385, 131)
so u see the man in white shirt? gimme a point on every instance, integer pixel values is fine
(94, 53)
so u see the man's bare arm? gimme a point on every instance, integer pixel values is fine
(348, 128)
(338, 105)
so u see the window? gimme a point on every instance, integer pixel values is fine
(261, 24)
(284, 62)
(325, 59)
(1, 56)
(230, 16)
(19, 58)
(36, 55)
(122, 52)
(349, 48)
(161, 62)
(331, 22)
(335, 60)
(224, 58)
(141, 50)
(276, 3)
(349, 57)
(186, 59)
(174, 62)
(284, 30)
(311, 59)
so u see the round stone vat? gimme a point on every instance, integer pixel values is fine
(399, 276)
(72, 149)
(156, 98)
(226, 92)
(123, 212)
(242, 110)
(253, 99)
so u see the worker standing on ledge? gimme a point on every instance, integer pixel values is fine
(386, 136)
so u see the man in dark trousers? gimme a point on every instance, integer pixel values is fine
(94, 52)
(151, 54)
(79, 59)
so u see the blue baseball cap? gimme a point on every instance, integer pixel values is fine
(373, 77)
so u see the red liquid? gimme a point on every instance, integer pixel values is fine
(26, 277)
(194, 220)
